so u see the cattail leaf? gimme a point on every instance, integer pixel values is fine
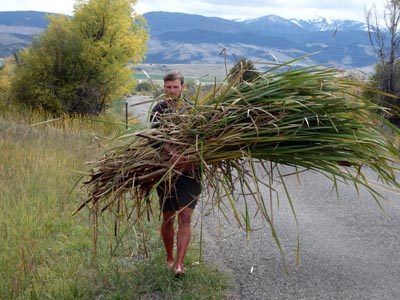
(310, 118)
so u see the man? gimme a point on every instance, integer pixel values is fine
(182, 198)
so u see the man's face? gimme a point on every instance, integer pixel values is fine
(174, 87)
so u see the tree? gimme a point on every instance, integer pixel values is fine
(6, 76)
(80, 64)
(144, 86)
(48, 69)
(244, 69)
(191, 89)
(385, 41)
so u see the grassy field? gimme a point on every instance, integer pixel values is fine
(46, 253)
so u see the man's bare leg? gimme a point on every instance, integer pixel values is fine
(183, 237)
(167, 233)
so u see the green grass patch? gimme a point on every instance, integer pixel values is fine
(46, 253)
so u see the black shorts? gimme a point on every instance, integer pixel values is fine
(184, 193)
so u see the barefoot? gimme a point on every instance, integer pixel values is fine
(169, 265)
(179, 271)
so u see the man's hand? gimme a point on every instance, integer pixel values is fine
(344, 163)
(181, 162)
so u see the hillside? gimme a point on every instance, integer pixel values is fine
(178, 38)
(17, 29)
(199, 39)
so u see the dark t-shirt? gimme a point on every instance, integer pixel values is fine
(159, 109)
(162, 108)
(187, 188)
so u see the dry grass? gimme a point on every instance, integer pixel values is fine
(46, 253)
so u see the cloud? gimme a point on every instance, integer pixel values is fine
(349, 9)
(60, 6)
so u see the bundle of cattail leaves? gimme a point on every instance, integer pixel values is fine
(311, 118)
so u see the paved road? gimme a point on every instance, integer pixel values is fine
(138, 107)
(349, 249)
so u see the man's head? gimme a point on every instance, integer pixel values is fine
(174, 83)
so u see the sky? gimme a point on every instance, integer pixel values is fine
(228, 9)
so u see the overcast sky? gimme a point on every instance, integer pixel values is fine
(228, 9)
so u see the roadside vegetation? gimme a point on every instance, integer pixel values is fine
(383, 30)
(48, 254)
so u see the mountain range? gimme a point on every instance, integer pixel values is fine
(179, 38)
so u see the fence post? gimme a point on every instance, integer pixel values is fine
(126, 114)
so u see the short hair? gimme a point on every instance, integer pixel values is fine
(174, 75)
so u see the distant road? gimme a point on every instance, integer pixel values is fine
(349, 248)
(137, 110)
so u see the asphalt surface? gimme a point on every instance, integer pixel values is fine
(139, 106)
(349, 248)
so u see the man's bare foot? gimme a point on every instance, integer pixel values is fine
(179, 272)
(169, 265)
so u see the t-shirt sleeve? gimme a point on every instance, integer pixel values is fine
(155, 116)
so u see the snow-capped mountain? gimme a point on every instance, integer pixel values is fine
(324, 24)
(276, 23)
